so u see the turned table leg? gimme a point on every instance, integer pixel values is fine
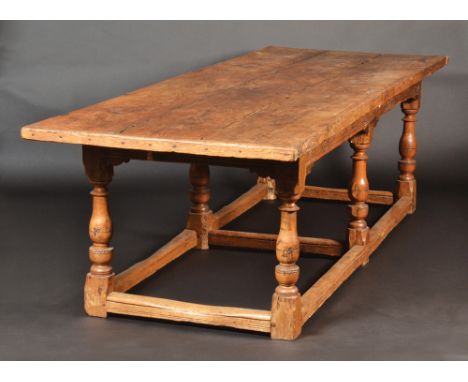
(359, 188)
(358, 191)
(407, 163)
(200, 217)
(100, 279)
(286, 315)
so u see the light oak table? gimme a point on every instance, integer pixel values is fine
(275, 111)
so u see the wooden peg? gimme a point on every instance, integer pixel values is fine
(286, 313)
(271, 187)
(200, 217)
(406, 185)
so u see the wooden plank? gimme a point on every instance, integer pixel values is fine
(341, 194)
(153, 307)
(331, 107)
(138, 272)
(266, 241)
(237, 207)
(313, 299)
(205, 95)
(272, 104)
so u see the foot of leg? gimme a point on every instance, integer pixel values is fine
(270, 183)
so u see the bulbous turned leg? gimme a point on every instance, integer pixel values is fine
(100, 279)
(271, 187)
(200, 217)
(407, 164)
(286, 315)
(358, 230)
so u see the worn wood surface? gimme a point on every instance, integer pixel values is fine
(406, 184)
(275, 103)
(271, 187)
(100, 279)
(286, 305)
(267, 241)
(359, 187)
(153, 307)
(342, 194)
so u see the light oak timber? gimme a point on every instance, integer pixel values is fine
(360, 123)
(236, 112)
(406, 185)
(286, 323)
(341, 194)
(253, 240)
(153, 307)
(243, 203)
(140, 271)
(274, 111)
(359, 187)
(314, 298)
(100, 278)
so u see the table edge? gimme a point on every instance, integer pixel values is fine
(211, 148)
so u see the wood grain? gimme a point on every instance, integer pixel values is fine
(406, 184)
(341, 194)
(359, 187)
(153, 307)
(267, 241)
(240, 108)
(286, 319)
(100, 278)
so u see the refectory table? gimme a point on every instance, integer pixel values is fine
(275, 111)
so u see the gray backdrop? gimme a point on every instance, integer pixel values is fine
(410, 303)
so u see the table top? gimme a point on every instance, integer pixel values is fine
(275, 103)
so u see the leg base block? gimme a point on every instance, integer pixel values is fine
(201, 223)
(286, 315)
(407, 188)
(357, 236)
(95, 294)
